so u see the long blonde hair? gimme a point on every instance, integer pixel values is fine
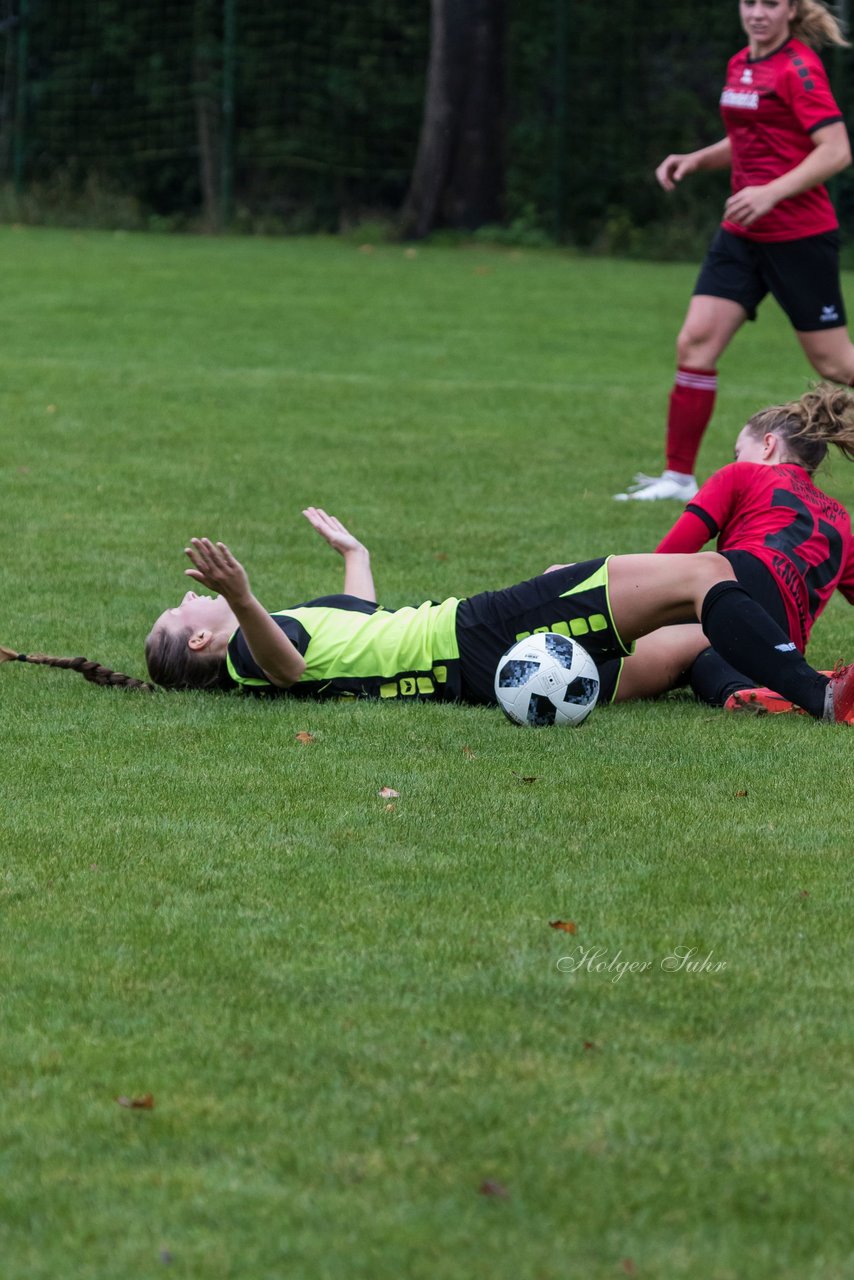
(816, 26)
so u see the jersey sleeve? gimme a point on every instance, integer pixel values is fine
(806, 90)
(690, 533)
(705, 515)
(244, 666)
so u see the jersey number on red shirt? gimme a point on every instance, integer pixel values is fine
(802, 528)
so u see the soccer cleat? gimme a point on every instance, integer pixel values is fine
(760, 702)
(840, 696)
(670, 484)
(765, 702)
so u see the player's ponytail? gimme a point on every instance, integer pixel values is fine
(92, 671)
(824, 415)
(816, 25)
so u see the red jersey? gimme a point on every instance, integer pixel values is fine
(778, 515)
(771, 107)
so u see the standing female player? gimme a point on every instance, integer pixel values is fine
(784, 138)
(790, 544)
(346, 646)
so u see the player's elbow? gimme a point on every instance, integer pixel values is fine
(287, 672)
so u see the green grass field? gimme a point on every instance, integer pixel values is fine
(349, 1010)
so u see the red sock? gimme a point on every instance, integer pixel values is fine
(691, 403)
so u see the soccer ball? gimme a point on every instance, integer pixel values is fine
(547, 679)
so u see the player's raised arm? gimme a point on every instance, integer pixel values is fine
(358, 578)
(215, 567)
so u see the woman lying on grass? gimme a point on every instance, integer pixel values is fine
(791, 546)
(346, 646)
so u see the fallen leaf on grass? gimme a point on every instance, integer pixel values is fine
(629, 1267)
(143, 1103)
(739, 795)
(440, 555)
(489, 1187)
(389, 808)
(388, 793)
(523, 778)
(568, 926)
(590, 1044)
(805, 893)
(304, 737)
(469, 754)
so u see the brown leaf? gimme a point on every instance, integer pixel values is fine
(388, 793)
(739, 795)
(489, 1187)
(805, 893)
(469, 754)
(305, 737)
(143, 1103)
(568, 926)
(389, 808)
(523, 778)
(440, 555)
(629, 1267)
(590, 1044)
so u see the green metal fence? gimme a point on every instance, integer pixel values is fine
(306, 113)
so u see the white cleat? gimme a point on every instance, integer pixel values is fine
(670, 484)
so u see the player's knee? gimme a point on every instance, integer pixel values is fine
(835, 366)
(692, 346)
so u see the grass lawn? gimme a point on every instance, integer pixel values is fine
(369, 1054)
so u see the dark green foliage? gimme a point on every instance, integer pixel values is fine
(128, 100)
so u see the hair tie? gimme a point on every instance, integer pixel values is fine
(22, 657)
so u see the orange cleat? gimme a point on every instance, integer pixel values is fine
(761, 702)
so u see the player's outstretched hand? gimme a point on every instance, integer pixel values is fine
(216, 568)
(332, 531)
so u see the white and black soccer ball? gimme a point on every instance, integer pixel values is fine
(547, 679)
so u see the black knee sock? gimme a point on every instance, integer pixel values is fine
(749, 638)
(713, 679)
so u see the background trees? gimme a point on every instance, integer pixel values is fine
(547, 115)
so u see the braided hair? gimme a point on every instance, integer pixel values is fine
(92, 671)
(824, 415)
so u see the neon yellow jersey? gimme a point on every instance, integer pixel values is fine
(356, 649)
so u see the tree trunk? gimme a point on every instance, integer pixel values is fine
(207, 109)
(458, 178)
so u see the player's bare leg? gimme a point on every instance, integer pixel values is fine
(659, 661)
(649, 591)
(831, 353)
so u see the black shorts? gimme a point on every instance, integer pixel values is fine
(803, 275)
(572, 601)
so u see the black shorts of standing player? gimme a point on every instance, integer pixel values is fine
(712, 678)
(803, 276)
(572, 601)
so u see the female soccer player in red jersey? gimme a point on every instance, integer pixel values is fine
(789, 543)
(347, 646)
(785, 137)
